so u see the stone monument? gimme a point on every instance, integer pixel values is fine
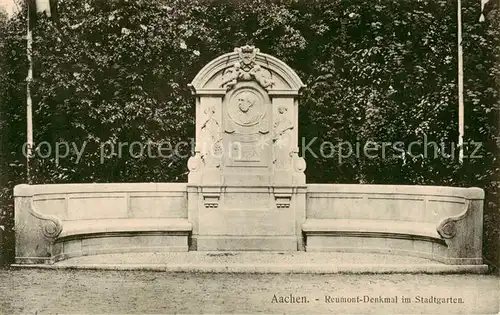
(246, 190)
(246, 186)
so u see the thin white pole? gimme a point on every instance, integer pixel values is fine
(483, 3)
(460, 86)
(29, 107)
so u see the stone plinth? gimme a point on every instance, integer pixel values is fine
(247, 218)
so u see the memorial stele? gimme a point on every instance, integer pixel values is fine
(246, 181)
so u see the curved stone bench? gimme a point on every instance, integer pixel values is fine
(382, 228)
(55, 222)
(439, 223)
(92, 237)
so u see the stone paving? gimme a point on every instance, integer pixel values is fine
(245, 257)
(265, 262)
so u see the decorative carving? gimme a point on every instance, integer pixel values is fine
(246, 108)
(448, 230)
(212, 146)
(246, 153)
(230, 76)
(447, 227)
(299, 163)
(282, 124)
(246, 69)
(194, 162)
(211, 125)
(283, 202)
(281, 137)
(229, 127)
(211, 197)
(282, 198)
(211, 201)
(247, 56)
(262, 76)
(51, 227)
(264, 126)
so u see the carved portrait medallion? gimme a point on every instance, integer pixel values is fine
(246, 107)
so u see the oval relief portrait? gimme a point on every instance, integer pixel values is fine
(246, 107)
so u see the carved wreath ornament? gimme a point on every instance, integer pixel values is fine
(245, 69)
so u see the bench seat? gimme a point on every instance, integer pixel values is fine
(419, 239)
(85, 227)
(383, 227)
(118, 236)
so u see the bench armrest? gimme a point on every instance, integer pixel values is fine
(35, 232)
(463, 233)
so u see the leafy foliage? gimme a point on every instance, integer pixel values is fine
(383, 71)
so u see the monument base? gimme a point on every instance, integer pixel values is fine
(237, 218)
(246, 243)
(263, 262)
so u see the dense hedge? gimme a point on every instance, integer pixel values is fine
(381, 71)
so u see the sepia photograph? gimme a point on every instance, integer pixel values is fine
(249, 157)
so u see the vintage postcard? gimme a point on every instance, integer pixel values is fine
(243, 157)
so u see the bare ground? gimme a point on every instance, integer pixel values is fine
(37, 291)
